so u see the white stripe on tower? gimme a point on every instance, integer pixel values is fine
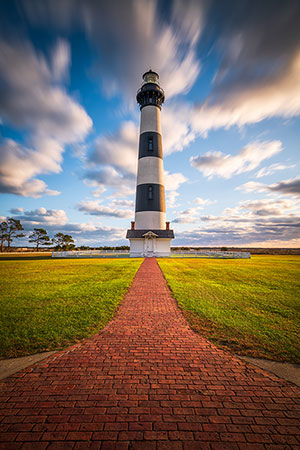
(150, 212)
(150, 119)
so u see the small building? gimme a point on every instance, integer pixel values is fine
(150, 234)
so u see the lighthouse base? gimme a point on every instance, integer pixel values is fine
(146, 244)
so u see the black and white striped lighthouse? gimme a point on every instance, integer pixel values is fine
(150, 234)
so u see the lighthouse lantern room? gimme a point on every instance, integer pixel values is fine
(150, 234)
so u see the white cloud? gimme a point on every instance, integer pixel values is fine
(225, 165)
(173, 180)
(258, 76)
(191, 215)
(187, 216)
(264, 171)
(122, 202)
(61, 56)
(118, 150)
(113, 163)
(41, 216)
(167, 48)
(264, 207)
(201, 202)
(18, 167)
(55, 221)
(131, 37)
(30, 99)
(286, 187)
(263, 222)
(176, 130)
(17, 210)
(172, 197)
(107, 177)
(278, 97)
(94, 208)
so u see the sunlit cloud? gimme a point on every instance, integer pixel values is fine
(31, 99)
(252, 222)
(56, 221)
(169, 47)
(273, 168)
(285, 187)
(216, 163)
(94, 208)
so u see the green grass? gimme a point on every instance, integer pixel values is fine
(49, 304)
(251, 307)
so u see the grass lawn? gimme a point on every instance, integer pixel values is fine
(49, 304)
(250, 306)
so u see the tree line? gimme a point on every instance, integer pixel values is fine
(11, 229)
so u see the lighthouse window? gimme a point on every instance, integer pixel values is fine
(150, 192)
(150, 144)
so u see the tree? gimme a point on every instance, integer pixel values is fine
(3, 234)
(40, 237)
(63, 241)
(13, 228)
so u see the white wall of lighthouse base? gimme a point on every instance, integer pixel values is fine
(150, 247)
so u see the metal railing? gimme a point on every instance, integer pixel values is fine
(174, 254)
(92, 254)
(209, 254)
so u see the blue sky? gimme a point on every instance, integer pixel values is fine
(69, 120)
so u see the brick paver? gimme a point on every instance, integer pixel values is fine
(147, 381)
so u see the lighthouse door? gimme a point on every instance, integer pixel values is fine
(150, 246)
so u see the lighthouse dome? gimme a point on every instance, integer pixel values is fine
(151, 77)
(150, 93)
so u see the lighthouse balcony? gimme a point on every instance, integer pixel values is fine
(150, 94)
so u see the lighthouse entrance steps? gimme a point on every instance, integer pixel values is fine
(147, 381)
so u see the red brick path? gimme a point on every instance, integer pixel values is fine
(147, 382)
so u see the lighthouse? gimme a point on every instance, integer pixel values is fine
(150, 234)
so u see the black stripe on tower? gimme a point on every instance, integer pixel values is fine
(150, 144)
(150, 197)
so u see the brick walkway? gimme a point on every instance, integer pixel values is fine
(147, 382)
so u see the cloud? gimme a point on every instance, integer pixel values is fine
(176, 130)
(16, 210)
(259, 48)
(41, 216)
(286, 187)
(263, 222)
(164, 46)
(168, 46)
(95, 209)
(55, 221)
(264, 207)
(273, 168)
(187, 216)
(225, 165)
(118, 150)
(171, 199)
(18, 166)
(113, 163)
(123, 202)
(191, 215)
(173, 180)
(61, 56)
(201, 202)
(123, 184)
(31, 100)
